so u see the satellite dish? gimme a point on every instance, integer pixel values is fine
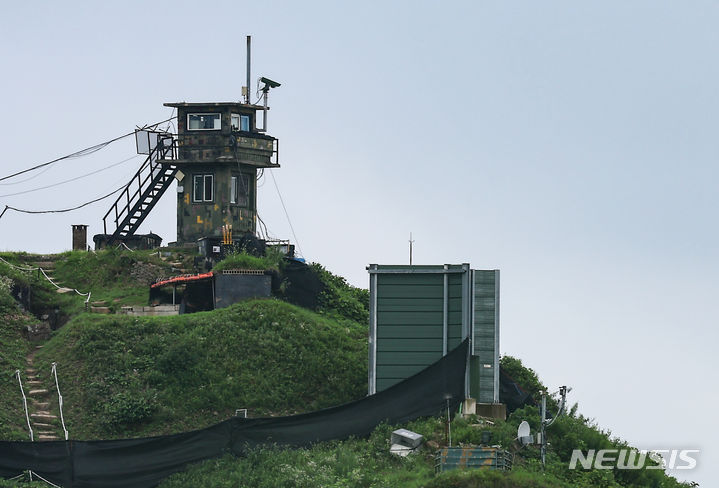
(523, 433)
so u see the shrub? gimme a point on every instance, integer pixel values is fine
(6, 300)
(340, 298)
(243, 260)
(125, 409)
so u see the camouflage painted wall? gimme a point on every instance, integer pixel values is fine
(221, 153)
(205, 219)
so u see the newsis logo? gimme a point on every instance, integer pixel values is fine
(633, 459)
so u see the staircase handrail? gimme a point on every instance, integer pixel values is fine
(24, 402)
(162, 150)
(59, 397)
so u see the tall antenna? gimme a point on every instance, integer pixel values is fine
(249, 57)
(410, 248)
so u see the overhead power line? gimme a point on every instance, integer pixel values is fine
(71, 179)
(8, 207)
(82, 152)
(39, 173)
(286, 214)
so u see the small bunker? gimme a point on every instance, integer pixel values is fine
(209, 291)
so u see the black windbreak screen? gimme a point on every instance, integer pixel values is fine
(145, 462)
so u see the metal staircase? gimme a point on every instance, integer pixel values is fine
(142, 192)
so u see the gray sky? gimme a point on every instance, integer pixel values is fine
(570, 144)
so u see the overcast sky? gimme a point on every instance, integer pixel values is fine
(572, 145)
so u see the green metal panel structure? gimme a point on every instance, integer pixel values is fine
(484, 364)
(419, 313)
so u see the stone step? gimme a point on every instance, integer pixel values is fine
(64, 290)
(34, 382)
(100, 309)
(37, 392)
(40, 346)
(48, 438)
(46, 432)
(43, 416)
(31, 371)
(41, 425)
(43, 412)
(41, 405)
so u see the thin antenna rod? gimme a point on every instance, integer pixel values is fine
(410, 248)
(249, 57)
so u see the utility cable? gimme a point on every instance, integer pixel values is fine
(8, 207)
(29, 178)
(71, 179)
(286, 214)
(83, 152)
(266, 233)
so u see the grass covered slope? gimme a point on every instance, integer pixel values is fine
(117, 276)
(12, 357)
(368, 463)
(125, 376)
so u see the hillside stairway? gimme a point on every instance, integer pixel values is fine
(47, 268)
(42, 403)
(142, 192)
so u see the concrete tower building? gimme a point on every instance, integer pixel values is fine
(219, 151)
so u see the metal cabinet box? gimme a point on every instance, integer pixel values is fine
(450, 458)
(232, 287)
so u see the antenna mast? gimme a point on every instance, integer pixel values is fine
(410, 248)
(249, 57)
(547, 422)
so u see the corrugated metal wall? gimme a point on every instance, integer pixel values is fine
(411, 311)
(419, 313)
(485, 343)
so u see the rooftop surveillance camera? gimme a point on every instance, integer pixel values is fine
(269, 83)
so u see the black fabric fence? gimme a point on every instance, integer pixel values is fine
(140, 463)
(511, 393)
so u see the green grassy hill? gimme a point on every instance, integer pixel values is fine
(12, 357)
(124, 376)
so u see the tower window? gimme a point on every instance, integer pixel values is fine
(240, 122)
(240, 190)
(204, 121)
(202, 188)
